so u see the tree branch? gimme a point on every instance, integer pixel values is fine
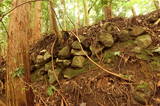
(3, 15)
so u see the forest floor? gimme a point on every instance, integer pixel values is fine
(116, 63)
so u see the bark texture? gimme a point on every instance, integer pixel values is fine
(18, 57)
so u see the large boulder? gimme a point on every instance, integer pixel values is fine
(78, 61)
(106, 39)
(143, 41)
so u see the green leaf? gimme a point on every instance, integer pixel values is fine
(117, 53)
(143, 85)
(51, 89)
(18, 72)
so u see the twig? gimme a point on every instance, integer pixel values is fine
(53, 68)
(52, 48)
(157, 22)
(92, 6)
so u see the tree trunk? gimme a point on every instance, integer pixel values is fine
(133, 11)
(36, 32)
(107, 9)
(77, 14)
(64, 14)
(54, 26)
(18, 57)
(86, 16)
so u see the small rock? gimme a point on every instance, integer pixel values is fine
(157, 50)
(137, 30)
(48, 66)
(42, 52)
(64, 62)
(51, 75)
(78, 52)
(143, 41)
(47, 55)
(78, 61)
(64, 52)
(70, 72)
(39, 59)
(106, 39)
(76, 45)
(124, 35)
(38, 75)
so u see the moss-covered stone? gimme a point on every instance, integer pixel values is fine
(64, 62)
(124, 35)
(64, 52)
(71, 72)
(137, 30)
(48, 66)
(143, 41)
(47, 55)
(76, 45)
(78, 52)
(38, 75)
(106, 39)
(78, 61)
(39, 59)
(52, 76)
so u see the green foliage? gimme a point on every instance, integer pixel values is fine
(19, 72)
(127, 76)
(142, 85)
(51, 89)
(4, 7)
